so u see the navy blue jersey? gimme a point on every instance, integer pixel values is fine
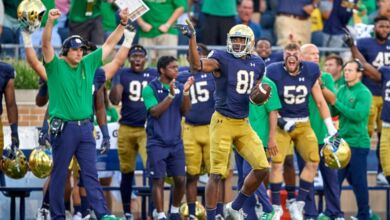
(7, 72)
(99, 79)
(133, 111)
(233, 87)
(339, 17)
(184, 69)
(385, 71)
(274, 57)
(202, 97)
(376, 54)
(294, 91)
(166, 129)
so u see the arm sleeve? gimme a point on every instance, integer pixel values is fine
(94, 59)
(149, 99)
(51, 67)
(361, 109)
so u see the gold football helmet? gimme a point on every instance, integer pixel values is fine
(336, 152)
(30, 14)
(200, 211)
(239, 49)
(14, 163)
(41, 161)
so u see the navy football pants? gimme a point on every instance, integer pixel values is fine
(75, 140)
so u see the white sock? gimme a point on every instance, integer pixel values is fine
(174, 209)
(161, 215)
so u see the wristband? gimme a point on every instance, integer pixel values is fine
(171, 96)
(186, 93)
(27, 39)
(329, 125)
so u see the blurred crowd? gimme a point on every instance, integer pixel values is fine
(320, 22)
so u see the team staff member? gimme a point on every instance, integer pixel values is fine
(376, 51)
(383, 76)
(127, 88)
(311, 53)
(70, 82)
(353, 106)
(167, 102)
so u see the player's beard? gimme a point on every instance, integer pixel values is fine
(379, 36)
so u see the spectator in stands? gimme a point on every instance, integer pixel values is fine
(259, 7)
(340, 13)
(293, 19)
(10, 27)
(219, 16)
(85, 19)
(108, 11)
(316, 27)
(245, 12)
(352, 105)
(156, 26)
(267, 21)
(63, 29)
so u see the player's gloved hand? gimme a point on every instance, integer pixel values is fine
(43, 138)
(348, 38)
(187, 30)
(287, 126)
(14, 136)
(105, 146)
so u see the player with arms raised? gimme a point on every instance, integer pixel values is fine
(235, 71)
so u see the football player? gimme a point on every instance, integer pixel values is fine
(311, 53)
(264, 50)
(166, 101)
(263, 120)
(236, 72)
(127, 88)
(196, 128)
(376, 51)
(296, 80)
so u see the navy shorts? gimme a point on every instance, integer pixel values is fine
(165, 160)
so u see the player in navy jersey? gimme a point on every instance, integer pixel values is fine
(196, 128)
(295, 81)
(166, 101)
(7, 77)
(376, 51)
(236, 71)
(127, 88)
(264, 50)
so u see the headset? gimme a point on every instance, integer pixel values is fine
(68, 41)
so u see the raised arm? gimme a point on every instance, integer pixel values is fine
(47, 48)
(112, 67)
(196, 64)
(115, 36)
(31, 56)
